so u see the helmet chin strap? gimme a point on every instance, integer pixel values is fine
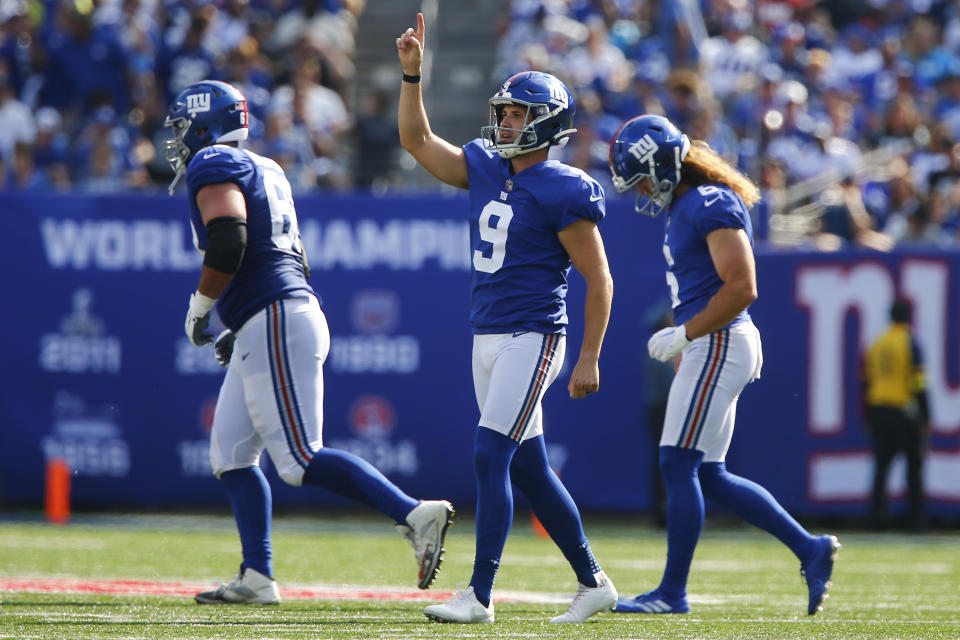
(514, 151)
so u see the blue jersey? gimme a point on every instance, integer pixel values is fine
(520, 268)
(272, 266)
(691, 276)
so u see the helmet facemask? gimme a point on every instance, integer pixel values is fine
(655, 199)
(528, 138)
(175, 149)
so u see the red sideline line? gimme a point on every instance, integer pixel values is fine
(144, 588)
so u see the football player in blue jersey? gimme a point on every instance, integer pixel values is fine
(255, 272)
(530, 219)
(711, 276)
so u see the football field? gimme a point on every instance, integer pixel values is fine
(111, 576)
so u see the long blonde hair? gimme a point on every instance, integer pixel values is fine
(704, 165)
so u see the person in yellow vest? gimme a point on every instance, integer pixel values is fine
(897, 412)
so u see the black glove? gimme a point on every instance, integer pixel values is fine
(223, 347)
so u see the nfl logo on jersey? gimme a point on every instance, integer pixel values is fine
(197, 102)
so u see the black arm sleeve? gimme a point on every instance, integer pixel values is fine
(226, 242)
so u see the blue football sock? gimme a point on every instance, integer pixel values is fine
(353, 477)
(553, 506)
(684, 515)
(492, 453)
(251, 502)
(754, 504)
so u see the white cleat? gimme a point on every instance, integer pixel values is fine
(252, 587)
(590, 600)
(425, 529)
(463, 608)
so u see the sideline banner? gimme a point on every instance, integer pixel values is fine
(96, 368)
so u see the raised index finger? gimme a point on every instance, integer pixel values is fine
(421, 31)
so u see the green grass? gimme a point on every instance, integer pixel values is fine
(744, 584)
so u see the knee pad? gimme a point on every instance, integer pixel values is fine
(291, 473)
(218, 464)
(224, 457)
(219, 467)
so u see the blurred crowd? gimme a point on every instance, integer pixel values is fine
(847, 114)
(85, 85)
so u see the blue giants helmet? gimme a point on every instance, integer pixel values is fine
(651, 148)
(549, 119)
(204, 113)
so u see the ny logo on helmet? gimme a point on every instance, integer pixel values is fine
(558, 95)
(197, 102)
(644, 148)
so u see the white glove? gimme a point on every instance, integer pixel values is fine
(198, 319)
(223, 347)
(666, 343)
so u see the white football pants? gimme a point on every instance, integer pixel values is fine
(511, 372)
(702, 405)
(272, 396)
